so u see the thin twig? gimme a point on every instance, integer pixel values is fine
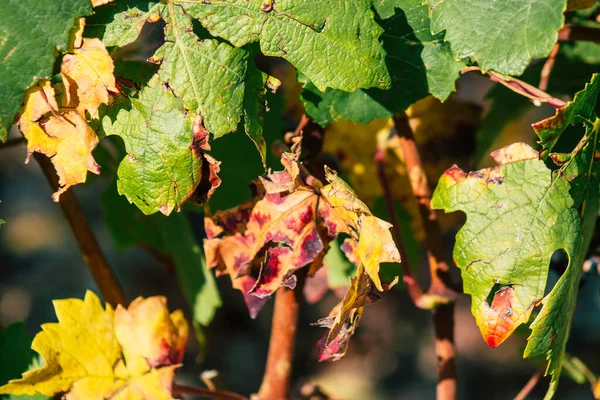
(276, 380)
(582, 33)
(412, 285)
(212, 394)
(531, 384)
(441, 286)
(439, 266)
(90, 249)
(520, 87)
(547, 69)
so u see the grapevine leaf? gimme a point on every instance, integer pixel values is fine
(170, 237)
(582, 108)
(515, 31)
(30, 33)
(419, 63)
(335, 44)
(287, 226)
(208, 75)
(88, 76)
(164, 161)
(375, 243)
(512, 229)
(127, 25)
(96, 353)
(550, 330)
(66, 137)
(213, 78)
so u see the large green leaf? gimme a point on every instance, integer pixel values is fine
(163, 163)
(503, 36)
(419, 63)
(207, 75)
(518, 215)
(334, 43)
(30, 31)
(214, 79)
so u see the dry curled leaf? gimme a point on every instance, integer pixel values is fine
(88, 76)
(93, 353)
(64, 136)
(288, 226)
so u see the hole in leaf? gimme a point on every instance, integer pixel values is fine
(497, 288)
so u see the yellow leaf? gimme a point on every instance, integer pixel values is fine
(88, 76)
(376, 246)
(83, 352)
(39, 101)
(71, 149)
(149, 334)
(66, 137)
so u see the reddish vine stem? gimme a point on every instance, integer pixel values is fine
(441, 285)
(212, 394)
(520, 87)
(547, 69)
(412, 285)
(439, 266)
(531, 383)
(276, 380)
(90, 249)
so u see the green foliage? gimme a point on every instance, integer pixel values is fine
(518, 215)
(502, 36)
(163, 166)
(334, 43)
(207, 75)
(30, 32)
(511, 232)
(419, 63)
